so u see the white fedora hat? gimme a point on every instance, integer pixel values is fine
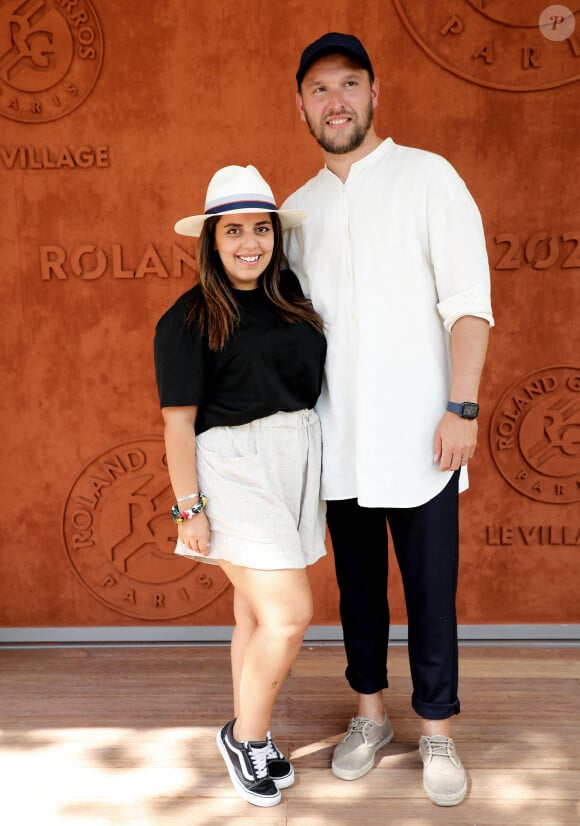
(236, 189)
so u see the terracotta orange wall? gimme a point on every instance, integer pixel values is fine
(109, 131)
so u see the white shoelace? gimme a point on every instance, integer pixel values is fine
(273, 753)
(259, 758)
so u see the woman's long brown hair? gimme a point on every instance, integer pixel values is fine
(214, 310)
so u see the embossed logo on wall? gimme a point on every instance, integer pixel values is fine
(119, 536)
(516, 47)
(535, 435)
(51, 52)
(89, 262)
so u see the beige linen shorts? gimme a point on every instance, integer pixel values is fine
(262, 481)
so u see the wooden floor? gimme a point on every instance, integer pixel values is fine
(101, 736)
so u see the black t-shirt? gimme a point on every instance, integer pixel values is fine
(266, 366)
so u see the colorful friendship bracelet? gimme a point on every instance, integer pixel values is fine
(180, 516)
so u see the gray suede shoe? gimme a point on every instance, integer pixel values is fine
(354, 756)
(444, 778)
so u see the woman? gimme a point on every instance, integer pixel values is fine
(239, 362)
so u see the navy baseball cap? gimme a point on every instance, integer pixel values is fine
(331, 43)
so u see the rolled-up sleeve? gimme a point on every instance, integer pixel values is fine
(458, 251)
(475, 301)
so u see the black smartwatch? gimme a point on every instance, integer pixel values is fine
(467, 410)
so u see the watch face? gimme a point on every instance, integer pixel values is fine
(470, 410)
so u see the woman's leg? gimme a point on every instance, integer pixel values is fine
(281, 602)
(245, 625)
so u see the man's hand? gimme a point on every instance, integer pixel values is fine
(455, 441)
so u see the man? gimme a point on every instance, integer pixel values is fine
(393, 256)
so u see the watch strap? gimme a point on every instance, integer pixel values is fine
(455, 407)
(467, 410)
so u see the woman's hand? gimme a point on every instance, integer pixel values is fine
(194, 533)
(180, 451)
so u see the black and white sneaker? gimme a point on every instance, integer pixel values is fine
(279, 768)
(248, 767)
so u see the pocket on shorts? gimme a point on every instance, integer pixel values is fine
(236, 486)
(228, 442)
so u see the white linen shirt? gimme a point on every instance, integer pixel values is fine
(391, 259)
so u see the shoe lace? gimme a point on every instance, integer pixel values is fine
(358, 725)
(259, 757)
(273, 752)
(439, 747)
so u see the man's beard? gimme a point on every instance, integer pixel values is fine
(333, 144)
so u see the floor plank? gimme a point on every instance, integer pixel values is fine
(102, 736)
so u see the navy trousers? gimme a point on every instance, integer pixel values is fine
(426, 545)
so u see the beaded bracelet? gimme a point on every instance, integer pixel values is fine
(180, 516)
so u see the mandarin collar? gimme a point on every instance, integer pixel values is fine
(383, 150)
